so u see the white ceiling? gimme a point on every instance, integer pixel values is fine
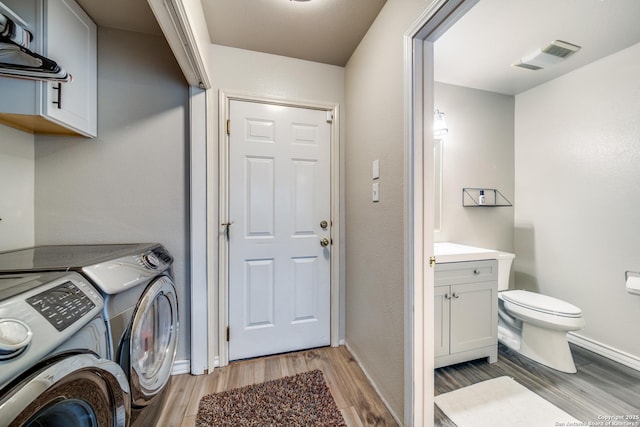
(476, 52)
(479, 49)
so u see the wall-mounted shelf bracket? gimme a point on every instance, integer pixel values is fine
(472, 198)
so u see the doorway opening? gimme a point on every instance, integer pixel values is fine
(439, 16)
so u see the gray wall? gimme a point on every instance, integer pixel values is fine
(130, 184)
(17, 171)
(577, 213)
(374, 231)
(477, 153)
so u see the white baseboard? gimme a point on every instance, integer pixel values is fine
(605, 351)
(181, 367)
(375, 386)
(184, 366)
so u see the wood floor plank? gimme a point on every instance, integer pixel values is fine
(189, 421)
(358, 388)
(348, 385)
(351, 417)
(200, 389)
(273, 369)
(180, 393)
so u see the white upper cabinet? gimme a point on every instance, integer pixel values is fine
(64, 33)
(71, 40)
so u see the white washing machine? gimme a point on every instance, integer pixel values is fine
(54, 369)
(140, 309)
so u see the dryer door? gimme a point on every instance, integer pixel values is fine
(78, 390)
(154, 339)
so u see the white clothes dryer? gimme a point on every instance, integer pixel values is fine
(140, 309)
(53, 355)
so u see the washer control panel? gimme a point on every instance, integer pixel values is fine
(41, 312)
(62, 305)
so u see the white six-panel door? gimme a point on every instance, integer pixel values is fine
(279, 196)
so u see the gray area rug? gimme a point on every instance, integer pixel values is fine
(298, 400)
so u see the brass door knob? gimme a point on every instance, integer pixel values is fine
(324, 242)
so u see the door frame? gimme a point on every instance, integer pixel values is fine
(419, 39)
(225, 98)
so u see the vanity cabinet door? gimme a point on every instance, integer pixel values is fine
(441, 311)
(474, 323)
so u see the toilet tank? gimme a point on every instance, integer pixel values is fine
(505, 259)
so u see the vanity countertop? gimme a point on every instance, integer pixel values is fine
(454, 252)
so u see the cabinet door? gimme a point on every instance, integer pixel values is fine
(71, 41)
(441, 313)
(474, 316)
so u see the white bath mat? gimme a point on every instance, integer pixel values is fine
(501, 402)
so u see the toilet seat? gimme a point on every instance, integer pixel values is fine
(541, 303)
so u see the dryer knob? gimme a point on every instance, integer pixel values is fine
(151, 261)
(15, 337)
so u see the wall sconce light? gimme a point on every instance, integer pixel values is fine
(439, 124)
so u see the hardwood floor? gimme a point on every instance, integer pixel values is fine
(358, 402)
(600, 388)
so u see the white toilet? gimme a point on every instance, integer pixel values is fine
(533, 324)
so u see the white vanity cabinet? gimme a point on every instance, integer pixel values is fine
(466, 311)
(64, 33)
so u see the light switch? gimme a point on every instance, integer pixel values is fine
(375, 193)
(376, 169)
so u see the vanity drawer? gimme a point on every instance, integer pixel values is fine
(466, 272)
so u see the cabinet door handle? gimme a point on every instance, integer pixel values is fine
(58, 101)
(476, 271)
(456, 296)
(447, 296)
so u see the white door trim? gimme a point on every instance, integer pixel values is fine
(419, 195)
(199, 106)
(223, 259)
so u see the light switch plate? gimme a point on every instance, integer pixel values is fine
(375, 193)
(376, 169)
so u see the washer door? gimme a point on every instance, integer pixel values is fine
(154, 339)
(79, 390)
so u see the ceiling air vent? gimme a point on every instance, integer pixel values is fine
(554, 53)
